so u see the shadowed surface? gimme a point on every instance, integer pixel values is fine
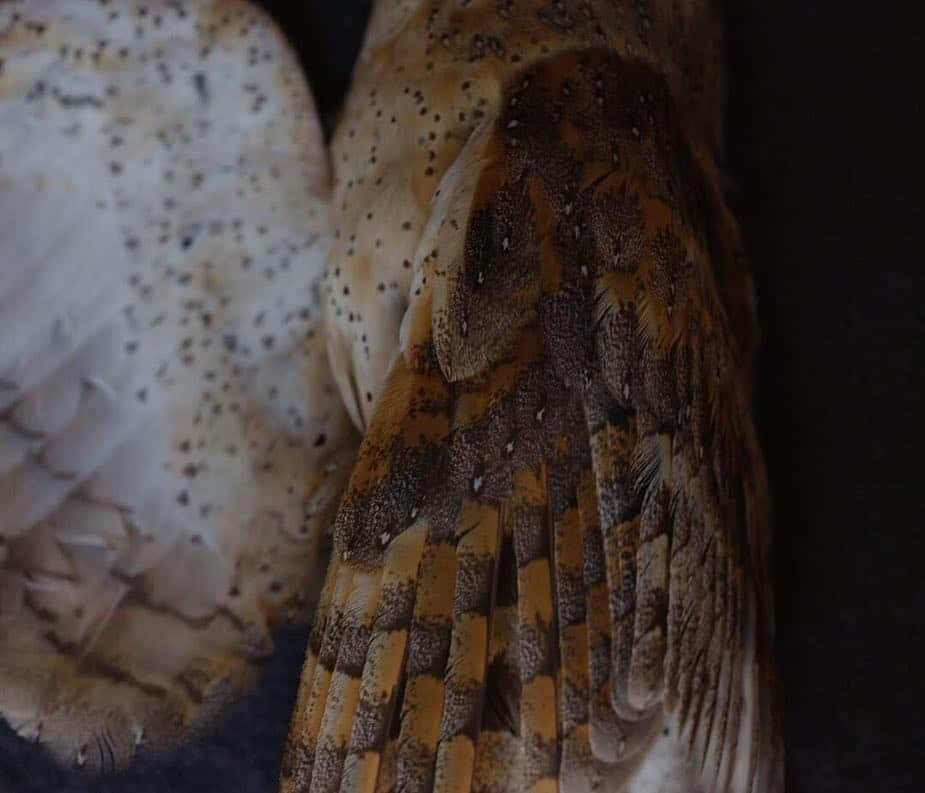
(823, 135)
(825, 118)
(242, 756)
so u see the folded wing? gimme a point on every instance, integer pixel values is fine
(550, 561)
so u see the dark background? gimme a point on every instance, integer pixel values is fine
(825, 130)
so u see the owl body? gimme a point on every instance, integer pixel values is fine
(171, 440)
(550, 559)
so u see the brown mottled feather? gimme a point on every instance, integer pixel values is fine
(477, 549)
(429, 640)
(568, 414)
(539, 727)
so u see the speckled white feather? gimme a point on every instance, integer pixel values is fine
(171, 438)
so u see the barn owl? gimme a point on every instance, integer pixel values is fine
(550, 562)
(172, 441)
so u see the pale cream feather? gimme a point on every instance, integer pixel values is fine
(171, 438)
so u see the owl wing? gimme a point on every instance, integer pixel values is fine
(171, 439)
(549, 566)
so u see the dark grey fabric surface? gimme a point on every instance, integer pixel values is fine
(825, 131)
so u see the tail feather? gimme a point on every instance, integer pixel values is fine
(344, 687)
(428, 649)
(536, 629)
(477, 552)
(499, 764)
(388, 647)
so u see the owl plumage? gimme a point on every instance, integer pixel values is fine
(550, 562)
(172, 442)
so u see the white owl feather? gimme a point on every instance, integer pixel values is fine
(171, 440)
